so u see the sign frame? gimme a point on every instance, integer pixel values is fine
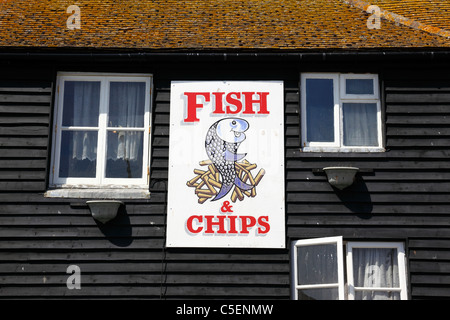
(226, 165)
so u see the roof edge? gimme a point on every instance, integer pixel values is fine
(425, 55)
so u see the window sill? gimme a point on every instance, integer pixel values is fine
(337, 149)
(107, 193)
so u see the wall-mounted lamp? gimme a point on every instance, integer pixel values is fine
(104, 210)
(341, 177)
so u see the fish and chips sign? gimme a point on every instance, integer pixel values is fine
(226, 165)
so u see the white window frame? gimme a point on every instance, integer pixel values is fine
(100, 181)
(312, 145)
(345, 282)
(342, 86)
(310, 242)
(340, 97)
(377, 245)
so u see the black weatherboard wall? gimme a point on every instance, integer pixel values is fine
(399, 195)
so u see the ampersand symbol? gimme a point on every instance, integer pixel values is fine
(226, 207)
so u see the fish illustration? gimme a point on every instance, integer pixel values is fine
(222, 142)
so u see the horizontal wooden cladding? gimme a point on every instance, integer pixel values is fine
(367, 221)
(418, 131)
(422, 119)
(73, 210)
(100, 243)
(373, 234)
(24, 130)
(410, 175)
(292, 119)
(401, 194)
(90, 232)
(138, 273)
(149, 279)
(384, 210)
(371, 163)
(374, 186)
(126, 258)
(24, 137)
(411, 109)
(429, 267)
(416, 198)
(26, 142)
(39, 112)
(391, 154)
(144, 291)
(148, 262)
(24, 98)
(417, 117)
(403, 220)
(433, 96)
(118, 254)
(160, 140)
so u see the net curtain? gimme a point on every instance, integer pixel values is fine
(126, 110)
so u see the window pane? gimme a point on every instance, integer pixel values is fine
(124, 154)
(360, 124)
(318, 294)
(127, 104)
(81, 103)
(377, 295)
(320, 110)
(317, 264)
(359, 86)
(78, 154)
(375, 267)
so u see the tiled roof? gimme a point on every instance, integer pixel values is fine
(223, 24)
(430, 12)
(428, 16)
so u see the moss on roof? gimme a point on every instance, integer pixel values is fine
(218, 24)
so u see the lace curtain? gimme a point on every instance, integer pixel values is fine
(376, 268)
(81, 109)
(126, 110)
(360, 124)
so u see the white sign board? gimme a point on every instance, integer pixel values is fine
(226, 164)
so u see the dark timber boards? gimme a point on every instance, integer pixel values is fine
(400, 195)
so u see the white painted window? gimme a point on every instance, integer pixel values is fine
(102, 131)
(318, 269)
(376, 271)
(341, 113)
(373, 270)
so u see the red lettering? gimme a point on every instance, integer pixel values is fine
(236, 102)
(245, 224)
(210, 223)
(189, 224)
(226, 224)
(265, 224)
(218, 97)
(232, 224)
(192, 105)
(249, 101)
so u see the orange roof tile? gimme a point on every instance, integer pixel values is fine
(429, 18)
(429, 12)
(221, 24)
